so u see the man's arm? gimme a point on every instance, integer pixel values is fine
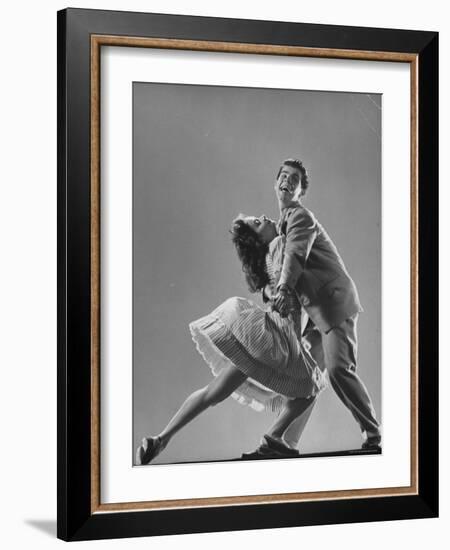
(301, 231)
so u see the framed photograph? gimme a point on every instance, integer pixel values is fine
(247, 274)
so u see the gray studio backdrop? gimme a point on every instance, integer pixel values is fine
(202, 154)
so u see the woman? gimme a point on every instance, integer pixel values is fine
(255, 355)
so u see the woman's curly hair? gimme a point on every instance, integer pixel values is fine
(252, 253)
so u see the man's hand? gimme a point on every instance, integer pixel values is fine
(284, 301)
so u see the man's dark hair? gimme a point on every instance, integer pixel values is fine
(295, 163)
(252, 253)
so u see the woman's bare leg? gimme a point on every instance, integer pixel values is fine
(215, 392)
(292, 435)
(291, 411)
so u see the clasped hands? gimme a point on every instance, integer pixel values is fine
(283, 300)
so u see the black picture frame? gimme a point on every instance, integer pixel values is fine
(78, 518)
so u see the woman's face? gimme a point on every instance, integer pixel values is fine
(264, 227)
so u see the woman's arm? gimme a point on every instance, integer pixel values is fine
(267, 294)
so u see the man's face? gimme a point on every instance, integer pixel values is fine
(287, 185)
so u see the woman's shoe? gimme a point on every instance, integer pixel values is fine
(150, 448)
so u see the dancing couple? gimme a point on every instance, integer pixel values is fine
(274, 358)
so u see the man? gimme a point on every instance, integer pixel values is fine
(314, 273)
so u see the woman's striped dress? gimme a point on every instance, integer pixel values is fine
(261, 344)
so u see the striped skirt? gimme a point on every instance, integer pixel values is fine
(262, 345)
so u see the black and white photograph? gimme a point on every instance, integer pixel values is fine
(223, 288)
(256, 273)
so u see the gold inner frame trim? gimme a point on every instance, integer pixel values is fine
(97, 41)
